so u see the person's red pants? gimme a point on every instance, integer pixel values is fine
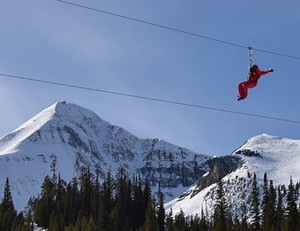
(243, 87)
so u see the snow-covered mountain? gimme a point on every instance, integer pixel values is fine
(278, 157)
(75, 137)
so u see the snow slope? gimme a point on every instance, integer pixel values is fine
(75, 137)
(278, 157)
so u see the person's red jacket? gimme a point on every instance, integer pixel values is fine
(256, 74)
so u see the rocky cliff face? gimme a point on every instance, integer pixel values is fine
(219, 167)
(75, 137)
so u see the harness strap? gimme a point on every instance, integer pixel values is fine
(250, 57)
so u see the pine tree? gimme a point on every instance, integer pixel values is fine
(194, 223)
(45, 204)
(95, 197)
(170, 221)
(279, 211)
(138, 206)
(59, 203)
(203, 222)
(150, 221)
(7, 210)
(242, 224)
(107, 192)
(7, 201)
(220, 210)
(271, 217)
(180, 222)
(104, 221)
(146, 195)
(71, 204)
(121, 209)
(265, 204)
(254, 205)
(29, 209)
(160, 210)
(85, 191)
(19, 223)
(291, 220)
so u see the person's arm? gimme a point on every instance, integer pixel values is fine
(261, 73)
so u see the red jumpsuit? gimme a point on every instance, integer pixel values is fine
(251, 82)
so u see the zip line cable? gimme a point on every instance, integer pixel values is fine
(175, 29)
(148, 98)
(150, 23)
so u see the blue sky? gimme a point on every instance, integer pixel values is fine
(52, 41)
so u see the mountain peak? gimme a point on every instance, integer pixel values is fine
(71, 111)
(57, 115)
(273, 144)
(76, 137)
(276, 156)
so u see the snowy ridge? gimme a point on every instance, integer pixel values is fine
(278, 157)
(75, 137)
(9, 143)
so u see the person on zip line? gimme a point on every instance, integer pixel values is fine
(252, 80)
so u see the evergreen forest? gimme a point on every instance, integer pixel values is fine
(122, 204)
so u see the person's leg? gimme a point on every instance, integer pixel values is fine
(243, 90)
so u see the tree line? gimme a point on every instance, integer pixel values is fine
(120, 203)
